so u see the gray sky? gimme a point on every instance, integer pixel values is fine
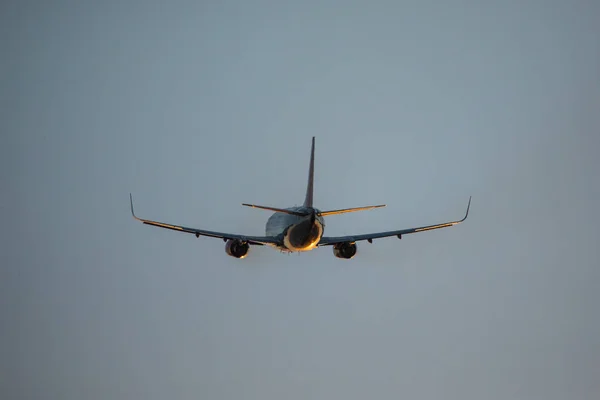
(196, 107)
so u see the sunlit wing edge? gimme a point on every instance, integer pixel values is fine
(326, 241)
(255, 240)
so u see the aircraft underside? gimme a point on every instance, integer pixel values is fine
(299, 235)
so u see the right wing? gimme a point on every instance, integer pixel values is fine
(256, 240)
(326, 241)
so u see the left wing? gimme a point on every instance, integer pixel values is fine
(256, 240)
(325, 241)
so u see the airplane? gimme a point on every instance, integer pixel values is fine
(298, 229)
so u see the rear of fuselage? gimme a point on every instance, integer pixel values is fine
(297, 232)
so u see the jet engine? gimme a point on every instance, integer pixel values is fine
(344, 250)
(237, 248)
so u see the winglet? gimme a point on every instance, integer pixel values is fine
(467, 213)
(131, 202)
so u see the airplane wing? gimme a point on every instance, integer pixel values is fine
(255, 240)
(327, 241)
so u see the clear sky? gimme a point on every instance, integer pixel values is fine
(196, 107)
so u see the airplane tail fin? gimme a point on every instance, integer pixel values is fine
(348, 210)
(308, 200)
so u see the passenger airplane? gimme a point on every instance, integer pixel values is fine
(297, 229)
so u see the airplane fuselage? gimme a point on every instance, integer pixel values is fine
(298, 233)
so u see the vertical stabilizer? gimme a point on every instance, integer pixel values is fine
(308, 200)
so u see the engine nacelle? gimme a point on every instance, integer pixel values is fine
(237, 248)
(345, 250)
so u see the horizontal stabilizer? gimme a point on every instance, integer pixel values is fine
(349, 210)
(280, 210)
